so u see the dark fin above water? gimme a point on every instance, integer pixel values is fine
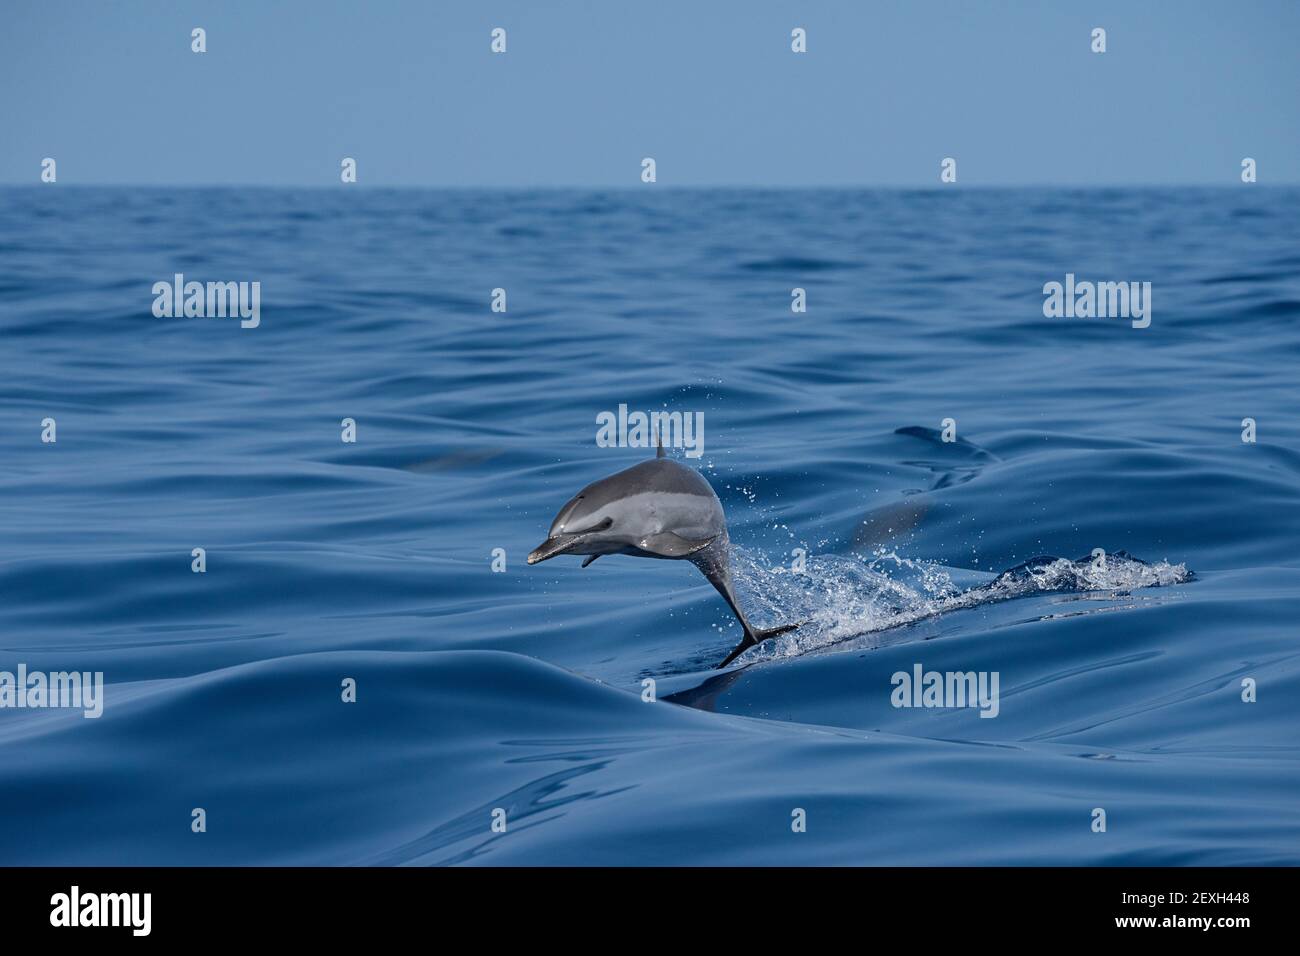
(754, 638)
(590, 559)
(659, 441)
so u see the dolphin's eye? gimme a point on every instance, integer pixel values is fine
(603, 526)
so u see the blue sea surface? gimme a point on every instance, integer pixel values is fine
(1121, 688)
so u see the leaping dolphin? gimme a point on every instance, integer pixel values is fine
(657, 509)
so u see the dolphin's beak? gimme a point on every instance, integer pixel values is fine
(553, 546)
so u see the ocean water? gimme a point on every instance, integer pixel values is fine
(1120, 684)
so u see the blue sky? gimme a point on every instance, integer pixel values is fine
(711, 90)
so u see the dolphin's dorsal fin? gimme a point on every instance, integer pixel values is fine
(659, 440)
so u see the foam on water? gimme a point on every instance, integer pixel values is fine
(843, 597)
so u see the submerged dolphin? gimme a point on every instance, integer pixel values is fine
(657, 509)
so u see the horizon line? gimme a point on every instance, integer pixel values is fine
(652, 187)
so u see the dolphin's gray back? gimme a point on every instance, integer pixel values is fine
(656, 475)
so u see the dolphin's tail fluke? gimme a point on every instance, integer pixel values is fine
(713, 562)
(754, 638)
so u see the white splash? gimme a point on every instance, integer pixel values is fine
(846, 596)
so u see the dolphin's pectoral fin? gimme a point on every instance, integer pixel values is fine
(590, 559)
(666, 544)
